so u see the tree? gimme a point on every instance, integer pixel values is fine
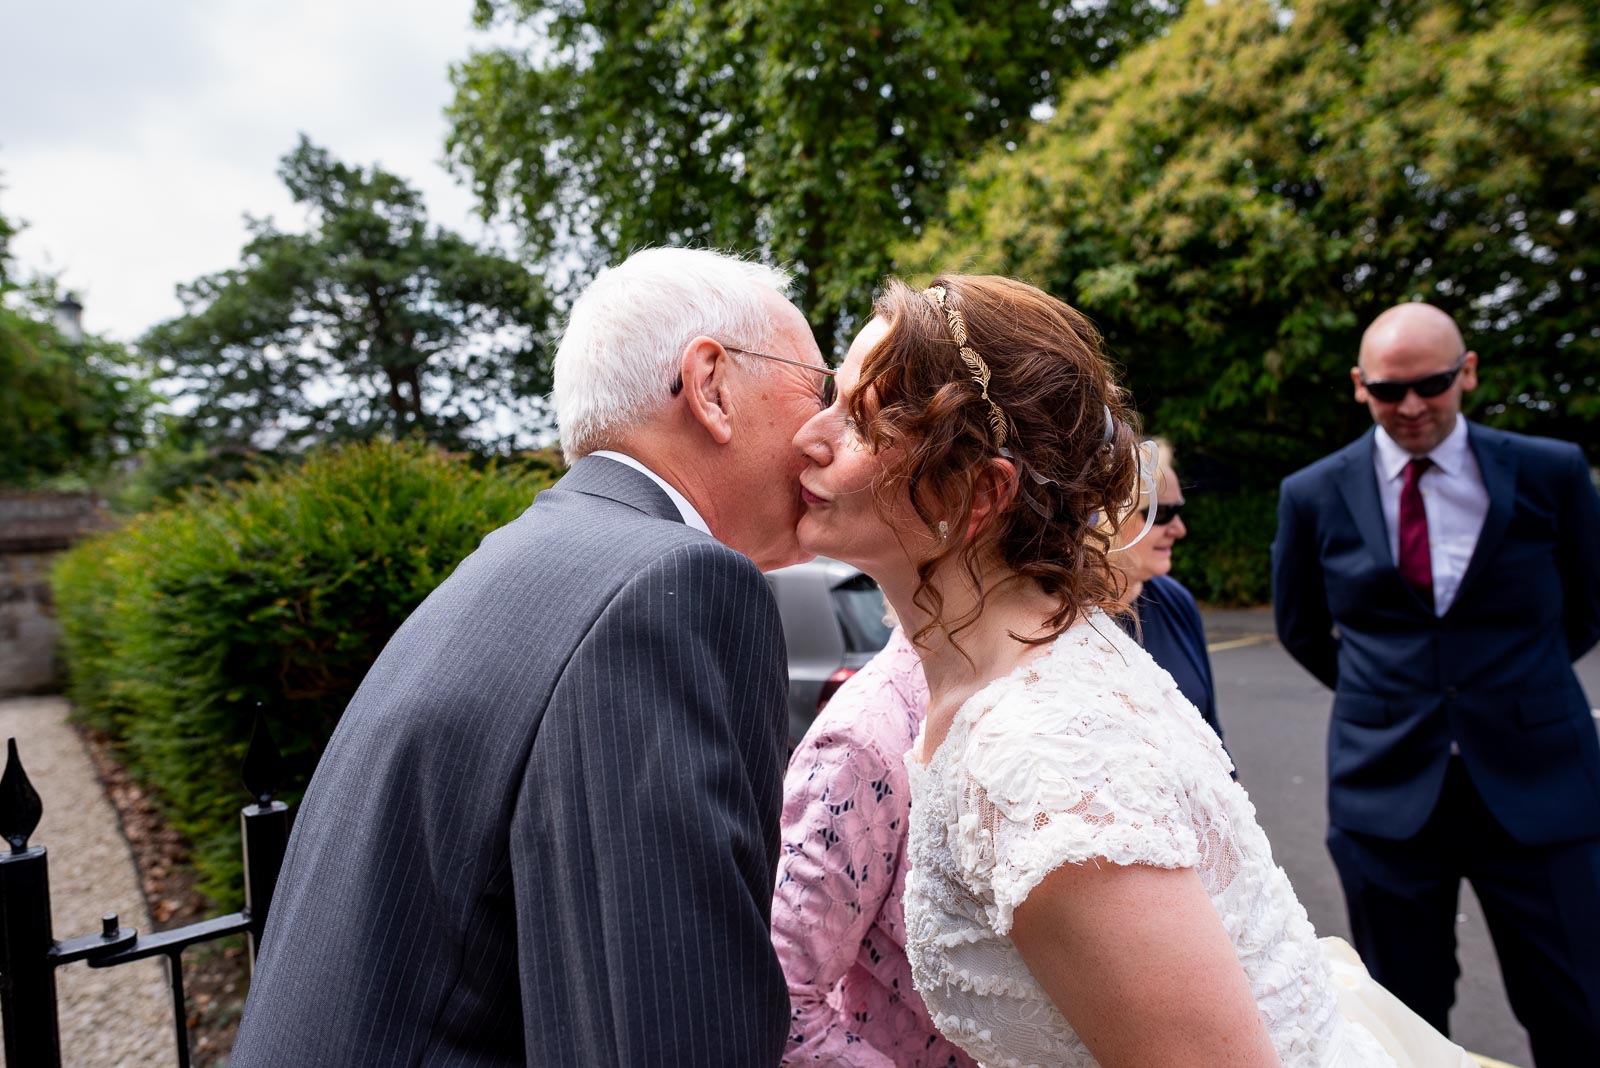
(1239, 199)
(816, 133)
(372, 323)
(69, 407)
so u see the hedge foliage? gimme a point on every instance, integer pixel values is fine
(278, 592)
(1226, 557)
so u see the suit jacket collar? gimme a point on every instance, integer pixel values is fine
(598, 476)
(1357, 479)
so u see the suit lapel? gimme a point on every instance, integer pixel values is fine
(1498, 466)
(1358, 485)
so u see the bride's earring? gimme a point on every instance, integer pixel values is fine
(944, 529)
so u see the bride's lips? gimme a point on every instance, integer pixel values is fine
(811, 498)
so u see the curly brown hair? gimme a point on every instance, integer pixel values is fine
(1053, 386)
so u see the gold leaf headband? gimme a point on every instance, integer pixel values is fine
(969, 356)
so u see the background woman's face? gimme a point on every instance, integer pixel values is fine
(1153, 555)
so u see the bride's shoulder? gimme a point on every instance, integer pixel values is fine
(1087, 676)
(1088, 700)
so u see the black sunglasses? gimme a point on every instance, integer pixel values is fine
(1426, 386)
(1165, 513)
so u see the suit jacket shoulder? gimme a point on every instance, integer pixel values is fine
(1528, 447)
(1315, 473)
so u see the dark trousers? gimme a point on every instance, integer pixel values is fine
(1542, 904)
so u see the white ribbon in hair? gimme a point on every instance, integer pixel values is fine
(1149, 460)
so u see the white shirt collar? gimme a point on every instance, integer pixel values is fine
(691, 517)
(1449, 456)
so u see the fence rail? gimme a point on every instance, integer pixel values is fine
(29, 952)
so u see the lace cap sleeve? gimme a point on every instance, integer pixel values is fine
(1052, 778)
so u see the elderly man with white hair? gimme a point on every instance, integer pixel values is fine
(546, 827)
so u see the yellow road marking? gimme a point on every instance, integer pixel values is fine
(1239, 643)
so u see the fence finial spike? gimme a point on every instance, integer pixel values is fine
(20, 807)
(263, 764)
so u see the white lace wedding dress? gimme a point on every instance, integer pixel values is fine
(1090, 751)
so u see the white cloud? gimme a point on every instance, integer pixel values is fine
(133, 138)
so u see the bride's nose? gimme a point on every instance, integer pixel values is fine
(812, 440)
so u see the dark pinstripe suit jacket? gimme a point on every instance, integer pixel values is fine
(546, 828)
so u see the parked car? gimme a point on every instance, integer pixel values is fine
(833, 624)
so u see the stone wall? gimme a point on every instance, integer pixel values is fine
(34, 527)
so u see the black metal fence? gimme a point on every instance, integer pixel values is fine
(30, 954)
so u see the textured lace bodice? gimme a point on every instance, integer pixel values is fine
(1090, 751)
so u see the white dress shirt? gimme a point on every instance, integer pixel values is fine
(690, 516)
(1453, 498)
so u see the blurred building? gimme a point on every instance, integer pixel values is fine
(34, 527)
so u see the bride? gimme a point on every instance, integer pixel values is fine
(1088, 884)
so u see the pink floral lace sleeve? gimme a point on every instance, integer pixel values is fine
(837, 921)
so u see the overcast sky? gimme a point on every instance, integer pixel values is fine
(133, 137)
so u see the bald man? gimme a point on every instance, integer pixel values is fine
(1440, 577)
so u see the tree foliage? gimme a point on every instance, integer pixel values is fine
(68, 407)
(816, 133)
(372, 323)
(1238, 199)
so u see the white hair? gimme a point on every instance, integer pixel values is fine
(628, 329)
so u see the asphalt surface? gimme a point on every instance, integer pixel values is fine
(1275, 718)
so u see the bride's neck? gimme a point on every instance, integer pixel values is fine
(985, 650)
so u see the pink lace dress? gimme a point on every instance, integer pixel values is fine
(836, 915)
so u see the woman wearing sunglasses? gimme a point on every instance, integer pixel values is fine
(1165, 621)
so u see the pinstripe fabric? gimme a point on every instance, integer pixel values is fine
(459, 891)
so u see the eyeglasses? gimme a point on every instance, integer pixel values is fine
(828, 391)
(826, 394)
(1165, 513)
(1427, 386)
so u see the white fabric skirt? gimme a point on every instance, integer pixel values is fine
(1405, 1036)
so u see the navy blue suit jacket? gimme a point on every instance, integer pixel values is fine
(1494, 673)
(1172, 633)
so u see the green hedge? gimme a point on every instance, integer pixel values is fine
(279, 591)
(1226, 558)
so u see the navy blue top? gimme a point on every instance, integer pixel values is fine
(1171, 632)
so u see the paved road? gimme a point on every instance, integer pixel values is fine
(1275, 717)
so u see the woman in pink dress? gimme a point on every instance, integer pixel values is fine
(836, 916)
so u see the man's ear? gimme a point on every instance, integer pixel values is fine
(704, 367)
(992, 492)
(1469, 373)
(1361, 391)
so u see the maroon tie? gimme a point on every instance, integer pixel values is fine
(1416, 562)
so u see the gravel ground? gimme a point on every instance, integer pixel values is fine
(113, 1017)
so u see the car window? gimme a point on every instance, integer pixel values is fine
(858, 603)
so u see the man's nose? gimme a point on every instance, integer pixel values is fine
(1412, 404)
(1178, 529)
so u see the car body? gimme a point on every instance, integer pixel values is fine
(833, 623)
